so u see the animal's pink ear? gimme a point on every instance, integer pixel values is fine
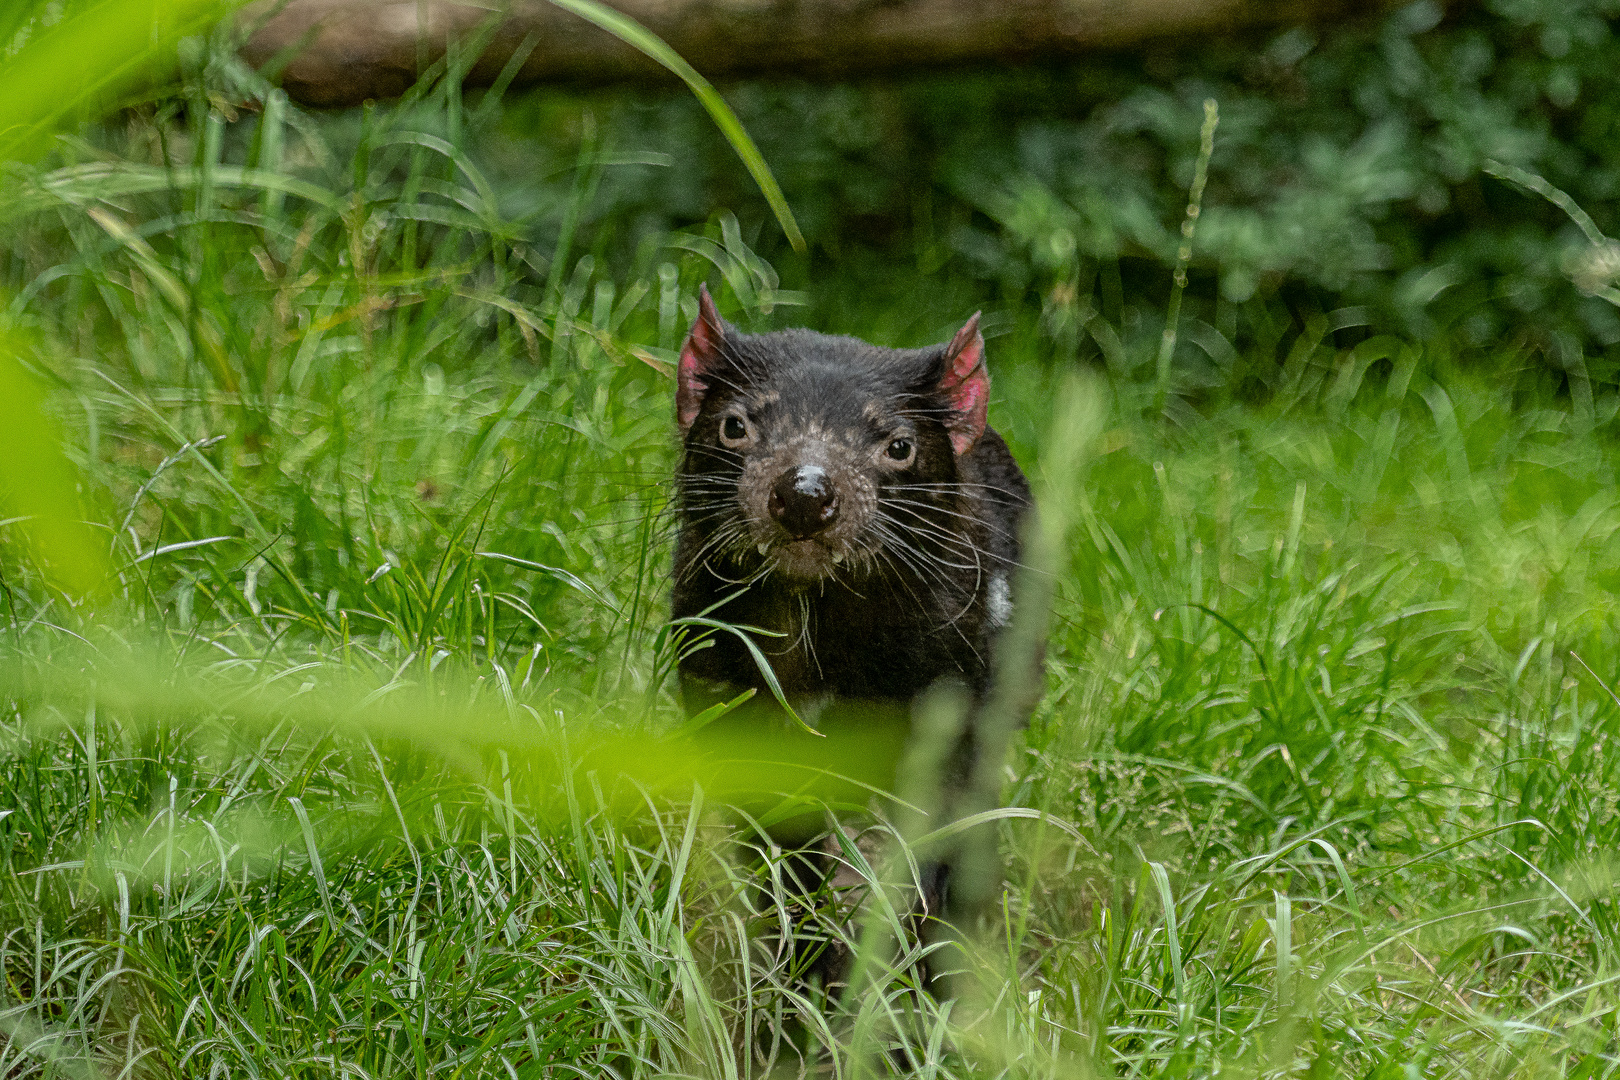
(966, 385)
(699, 356)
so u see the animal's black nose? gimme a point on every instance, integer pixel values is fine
(804, 501)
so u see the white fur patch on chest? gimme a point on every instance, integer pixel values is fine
(999, 602)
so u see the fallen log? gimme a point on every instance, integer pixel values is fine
(343, 52)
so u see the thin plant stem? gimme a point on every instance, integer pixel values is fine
(1189, 226)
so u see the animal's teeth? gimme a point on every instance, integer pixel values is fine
(764, 548)
(838, 557)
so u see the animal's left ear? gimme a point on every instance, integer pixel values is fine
(965, 384)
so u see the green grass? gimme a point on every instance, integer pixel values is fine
(361, 763)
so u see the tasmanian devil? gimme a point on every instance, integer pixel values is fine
(849, 502)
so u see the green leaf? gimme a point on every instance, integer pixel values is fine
(38, 484)
(97, 51)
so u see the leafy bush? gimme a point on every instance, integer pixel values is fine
(1347, 182)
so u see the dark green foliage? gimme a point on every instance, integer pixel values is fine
(1347, 182)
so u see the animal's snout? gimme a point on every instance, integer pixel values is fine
(803, 501)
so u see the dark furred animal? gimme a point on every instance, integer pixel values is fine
(850, 499)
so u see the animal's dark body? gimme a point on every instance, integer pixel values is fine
(852, 500)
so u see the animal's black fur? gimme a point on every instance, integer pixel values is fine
(926, 554)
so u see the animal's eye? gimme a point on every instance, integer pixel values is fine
(899, 449)
(733, 430)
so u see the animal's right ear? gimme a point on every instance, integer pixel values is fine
(700, 356)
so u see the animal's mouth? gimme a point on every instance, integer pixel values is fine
(807, 559)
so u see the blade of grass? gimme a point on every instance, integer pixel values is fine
(634, 34)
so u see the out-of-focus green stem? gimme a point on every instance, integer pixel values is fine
(1189, 226)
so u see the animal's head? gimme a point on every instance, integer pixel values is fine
(815, 456)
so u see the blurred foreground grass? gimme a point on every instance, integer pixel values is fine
(365, 761)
